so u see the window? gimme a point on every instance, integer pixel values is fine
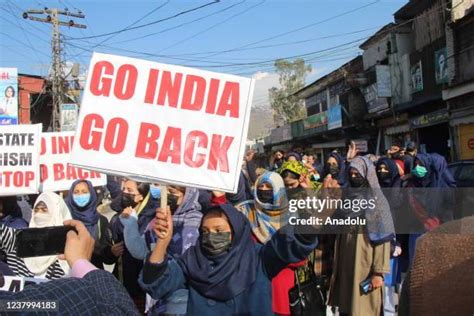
(467, 172)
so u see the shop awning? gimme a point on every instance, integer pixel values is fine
(399, 129)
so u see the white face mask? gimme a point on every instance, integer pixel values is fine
(42, 219)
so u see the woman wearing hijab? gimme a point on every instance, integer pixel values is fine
(363, 252)
(336, 167)
(10, 213)
(82, 202)
(226, 272)
(186, 212)
(389, 175)
(295, 175)
(430, 196)
(49, 210)
(266, 213)
(136, 200)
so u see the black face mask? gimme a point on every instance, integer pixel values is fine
(265, 196)
(173, 203)
(396, 155)
(384, 179)
(214, 244)
(333, 171)
(358, 182)
(128, 200)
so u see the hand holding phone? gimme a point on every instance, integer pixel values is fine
(46, 241)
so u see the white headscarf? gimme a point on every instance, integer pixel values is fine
(59, 212)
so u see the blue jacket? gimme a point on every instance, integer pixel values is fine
(284, 248)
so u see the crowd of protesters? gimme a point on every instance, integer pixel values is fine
(214, 253)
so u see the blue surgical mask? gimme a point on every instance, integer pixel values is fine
(316, 177)
(81, 199)
(155, 191)
(419, 171)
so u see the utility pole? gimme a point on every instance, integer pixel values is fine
(57, 77)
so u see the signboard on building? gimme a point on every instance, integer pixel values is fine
(335, 116)
(361, 145)
(315, 120)
(466, 141)
(68, 117)
(374, 103)
(432, 118)
(384, 82)
(8, 96)
(281, 134)
(441, 66)
(416, 77)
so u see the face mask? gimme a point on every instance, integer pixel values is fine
(128, 200)
(173, 203)
(384, 178)
(265, 196)
(357, 182)
(304, 162)
(334, 171)
(316, 177)
(42, 219)
(81, 199)
(155, 192)
(214, 244)
(419, 171)
(396, 155)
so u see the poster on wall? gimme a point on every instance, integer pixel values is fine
(68, 117)
(384, 83)
(441, 66)
(8, 96)
(416, 77)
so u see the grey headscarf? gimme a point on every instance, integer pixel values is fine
(380, 225)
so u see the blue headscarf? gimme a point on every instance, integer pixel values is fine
(392, 170)
(438, 174)
(233, 272)
(88, 214)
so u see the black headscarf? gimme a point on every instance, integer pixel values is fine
(232, 272)
(392, 171)
(342, 177)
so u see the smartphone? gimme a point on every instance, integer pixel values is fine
(37, 242)
(366, 285)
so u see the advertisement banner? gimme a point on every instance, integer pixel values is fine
(335, 116)
(19, 159)
(163, 123)
(8, 96)
(416, 77)
(315, 120)
(374, 103)
(56, 173)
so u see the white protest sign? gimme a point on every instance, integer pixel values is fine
(56, 174)
(163, 123)
(11, 283)
(19, 159)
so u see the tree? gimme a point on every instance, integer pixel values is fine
(286, 107)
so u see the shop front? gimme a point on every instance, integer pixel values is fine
(432, 133)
